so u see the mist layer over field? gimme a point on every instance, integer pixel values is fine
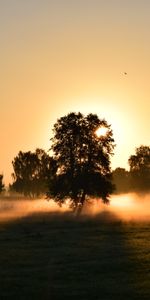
(126, 207)
(16, 209)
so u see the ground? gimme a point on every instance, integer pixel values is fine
(55, 256)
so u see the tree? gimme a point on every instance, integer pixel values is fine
(121, 180)
(31, 172)
(82, 160)
(140, 169)
(1, 183)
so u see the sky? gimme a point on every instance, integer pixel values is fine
(63, 55)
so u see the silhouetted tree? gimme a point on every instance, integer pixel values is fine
(121, 179)
(82, 159)
(140, 169)
(31, 172)
(1, 183)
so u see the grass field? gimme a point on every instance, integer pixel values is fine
(57, 256)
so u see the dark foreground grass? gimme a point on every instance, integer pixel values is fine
(62, 257)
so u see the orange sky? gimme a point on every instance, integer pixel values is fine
(65, 55)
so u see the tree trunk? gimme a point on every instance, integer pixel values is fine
(79, 208)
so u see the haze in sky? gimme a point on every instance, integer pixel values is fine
(65, 55)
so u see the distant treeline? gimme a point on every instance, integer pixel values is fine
(1, 183)
(137, 179)
(33, 170)
(79, 167)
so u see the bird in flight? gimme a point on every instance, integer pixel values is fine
(125, 73)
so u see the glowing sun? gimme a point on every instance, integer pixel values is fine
(101, 131)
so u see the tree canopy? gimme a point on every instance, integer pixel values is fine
(31, 172)
(82, 159)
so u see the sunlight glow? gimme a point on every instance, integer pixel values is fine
(101, 131)
(122, 201)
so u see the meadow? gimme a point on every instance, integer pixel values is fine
(54, 255)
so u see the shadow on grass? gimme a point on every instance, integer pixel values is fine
(57, 256)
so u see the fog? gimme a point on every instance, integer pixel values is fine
(132, 207)
(125, 207)
(17, 209)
